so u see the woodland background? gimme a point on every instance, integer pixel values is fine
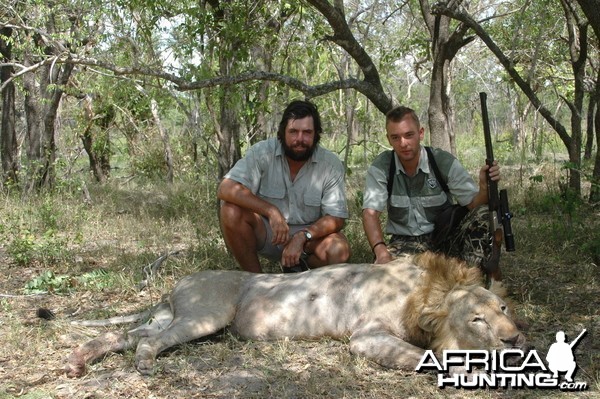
(178, 88)
(118, 119)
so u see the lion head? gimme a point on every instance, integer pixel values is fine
(451, 309)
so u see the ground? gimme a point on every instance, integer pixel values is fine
(549, 296)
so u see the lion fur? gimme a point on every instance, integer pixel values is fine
(391, 313)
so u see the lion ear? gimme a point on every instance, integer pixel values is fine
(430, 318)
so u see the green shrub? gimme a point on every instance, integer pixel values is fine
(48, 281)
(22, 248)
(26, 248)
(150, 163)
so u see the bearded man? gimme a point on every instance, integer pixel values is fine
(285, 200)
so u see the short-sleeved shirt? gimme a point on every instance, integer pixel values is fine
(416, 200)
(317, 190)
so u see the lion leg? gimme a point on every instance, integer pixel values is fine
(183, 329)
(202, 303)
(385, 349)
(92, 350)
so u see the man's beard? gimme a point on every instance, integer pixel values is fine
(295, 156)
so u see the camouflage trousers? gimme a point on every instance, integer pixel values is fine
(469, 241)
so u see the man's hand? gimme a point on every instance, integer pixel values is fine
(482, 196)
(382, 255)
(236, 193)
(292, 250)
(493, 171)
(279, 227)
(372, 227)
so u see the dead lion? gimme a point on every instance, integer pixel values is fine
(391, 312)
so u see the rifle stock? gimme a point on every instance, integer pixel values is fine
(499, 213)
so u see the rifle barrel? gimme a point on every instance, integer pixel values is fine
(489, 151)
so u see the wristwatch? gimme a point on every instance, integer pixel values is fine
(307, 235)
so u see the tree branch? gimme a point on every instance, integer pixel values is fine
(442, 9)
(344, 38)
(182, 84)
(25, 69)
(370, 87)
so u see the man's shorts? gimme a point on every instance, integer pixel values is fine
(271, 251)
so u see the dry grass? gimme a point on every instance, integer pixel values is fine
(554, 283)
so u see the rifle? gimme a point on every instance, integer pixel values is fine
(499, 213)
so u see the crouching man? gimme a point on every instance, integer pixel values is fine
(285, 200)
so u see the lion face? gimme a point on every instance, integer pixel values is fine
(473, 318)
(479, 319)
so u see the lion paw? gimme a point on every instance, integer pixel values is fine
(144, 360)
(75, 365)
(145, 366)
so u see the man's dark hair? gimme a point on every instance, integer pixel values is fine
(300, 109)
(398, 113)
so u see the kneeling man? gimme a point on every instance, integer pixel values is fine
(285, 200)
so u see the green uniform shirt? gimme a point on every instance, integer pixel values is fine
(318, 189)
(416, 200)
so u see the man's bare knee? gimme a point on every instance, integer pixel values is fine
(333, 249)
(339, 251)
(230, 213)
(232, 216)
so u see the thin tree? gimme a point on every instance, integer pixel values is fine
(8, 135)
(572, 144)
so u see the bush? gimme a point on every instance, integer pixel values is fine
(26, 248)
(62, 284)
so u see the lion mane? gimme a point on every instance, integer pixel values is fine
(425, 306)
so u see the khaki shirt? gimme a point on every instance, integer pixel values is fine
(416, 200)
(318, 189)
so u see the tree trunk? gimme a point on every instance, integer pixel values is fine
(259, 117)
(595, 190)
(228, 134)
(165, 139)
(227, 124)
(444, 47)
(88, 144)
(8, 136)
(97, 146)
(34, 137)
(440, 128)
(577, 32)
(348, 105)
(591, 111)
(43, 93)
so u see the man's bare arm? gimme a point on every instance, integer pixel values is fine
(320, 229)
(374, 232)
(235, 193)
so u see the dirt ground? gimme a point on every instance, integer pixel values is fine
(33, 361)
(35, 350)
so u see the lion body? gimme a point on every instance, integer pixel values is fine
(391, 313)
